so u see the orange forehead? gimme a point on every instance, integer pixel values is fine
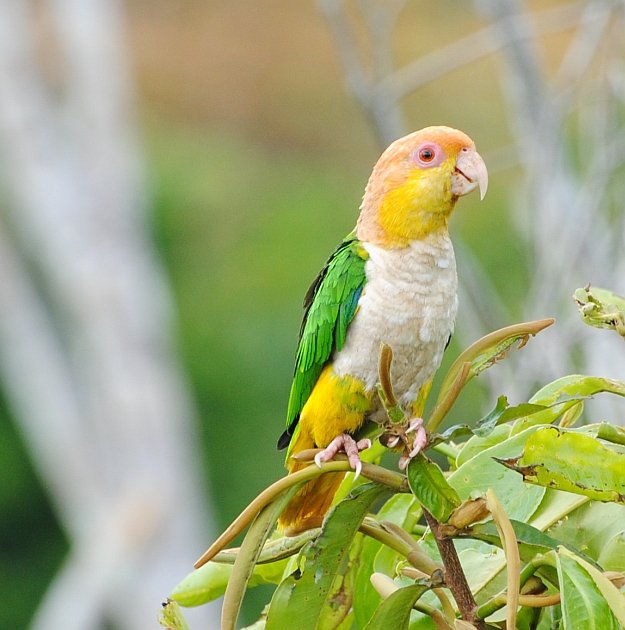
(450, 140)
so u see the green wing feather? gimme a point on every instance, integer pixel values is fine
(329, 307)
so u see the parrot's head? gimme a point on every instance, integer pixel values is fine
(415, 184)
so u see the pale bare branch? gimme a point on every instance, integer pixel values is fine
(86, 355)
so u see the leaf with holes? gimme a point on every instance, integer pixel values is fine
(571, 461)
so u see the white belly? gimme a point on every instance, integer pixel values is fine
(409, 302)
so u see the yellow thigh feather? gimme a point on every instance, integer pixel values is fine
(336, 405)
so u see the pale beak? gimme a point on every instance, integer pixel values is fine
(470, 173)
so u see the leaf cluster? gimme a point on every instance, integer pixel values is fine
(519, 523)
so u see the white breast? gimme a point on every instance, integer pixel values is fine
(409, 302)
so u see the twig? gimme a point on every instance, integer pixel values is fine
(383, 110)
(500, 600)
(384, 374)
(411, 552)
(274, 550)
(247, 557)
(469, 49)
(444, 404)
(446, 605)
(454, 575)
(267, 496)
(510, 547)
(262, 500)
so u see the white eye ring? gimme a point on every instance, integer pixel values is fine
(428, 155)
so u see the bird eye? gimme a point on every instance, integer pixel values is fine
(426, 155)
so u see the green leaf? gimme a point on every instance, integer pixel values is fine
(476, 444)
(608, 432)
(528, 618)
(601, 308)
(576, 385)
(478, 357)
(590, 526)
(483, 428)
(504, 413)
(338, 613)
(172, 617)
(482, 472)
(566, 392)
(492, 348)
(203, 585)
(482, 565)
(428, 484)
(612, 556)
(612, 595)
(422, 622)
(304, 594)
(554, 507)
(394, 611)
(531, 540)
(250, 550)
(571, 461)
(403, 510)
(583, 603)
(209, 581)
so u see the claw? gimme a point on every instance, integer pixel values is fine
(419, 443)
(414, 425)
(357, 468)
(349, 446)
(392, 442)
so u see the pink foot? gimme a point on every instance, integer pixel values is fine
(419, 443)
(349, 446)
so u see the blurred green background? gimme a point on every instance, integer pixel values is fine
(257, 158)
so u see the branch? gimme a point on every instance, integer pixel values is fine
(454, 575)
(469, 49)
(383, 110)
(340, 464)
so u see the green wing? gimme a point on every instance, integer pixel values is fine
(329, 307)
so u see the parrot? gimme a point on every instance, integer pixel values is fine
(391, 281)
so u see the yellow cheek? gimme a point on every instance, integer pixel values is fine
(336, 405)
(418, 207)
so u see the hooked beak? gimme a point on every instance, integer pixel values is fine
(470, 173)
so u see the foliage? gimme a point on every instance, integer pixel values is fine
(601, 308)
(518, 521)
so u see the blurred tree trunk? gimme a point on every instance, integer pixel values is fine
(86, 355)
